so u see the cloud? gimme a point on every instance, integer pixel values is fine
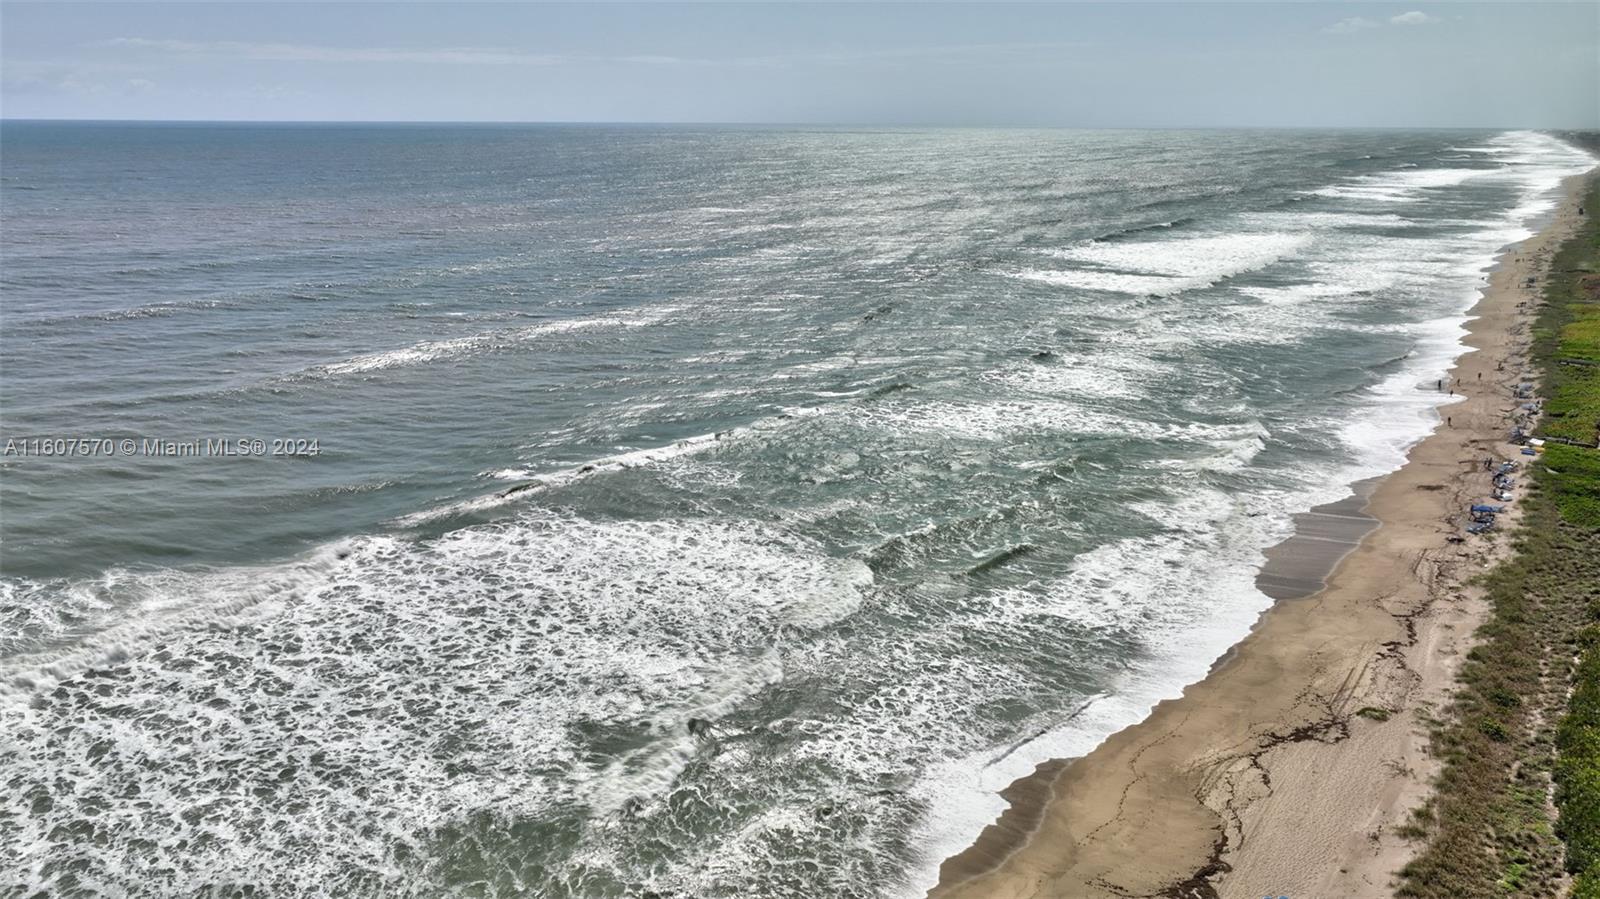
(1350, 26)
(82, 77)
(1361, 23)
(1415, 17)
(82, 82)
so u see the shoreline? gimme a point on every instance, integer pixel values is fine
(1323, 535)
(1286, 769)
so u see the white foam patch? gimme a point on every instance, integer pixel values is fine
(1110, 282)
(1226, 455)
(1123, 376)
(436, 350)
(646, 457)
(544, 667)
(997, 419)
(1318, 220)
(1297, 294)
(509, 474)
(35, 612)
(433, 350)
(66, 627)
(1402, 186)
(1188, 256)
(1166, 267)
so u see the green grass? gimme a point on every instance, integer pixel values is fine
(1573, 476)
(1568, 336)
(1513, 732)
(1580, 339)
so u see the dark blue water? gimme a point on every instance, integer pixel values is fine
(875, 454)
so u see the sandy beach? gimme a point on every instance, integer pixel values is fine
(1284, 771)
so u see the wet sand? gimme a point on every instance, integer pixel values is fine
(1300, 565)
(1284, 771)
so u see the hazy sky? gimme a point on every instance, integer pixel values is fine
(1072, 64)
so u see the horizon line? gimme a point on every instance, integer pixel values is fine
(793, 124)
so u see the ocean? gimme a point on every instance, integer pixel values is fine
(635, 511)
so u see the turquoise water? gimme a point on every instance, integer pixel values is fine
(692, 512)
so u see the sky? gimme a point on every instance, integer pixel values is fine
(1088, 65)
